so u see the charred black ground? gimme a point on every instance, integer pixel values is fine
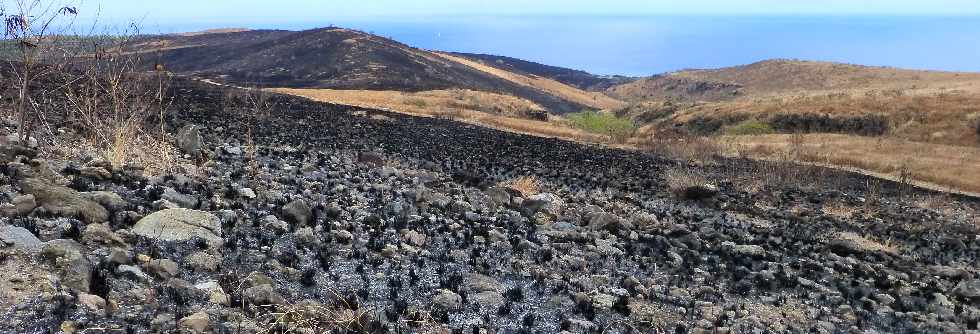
(397, 224)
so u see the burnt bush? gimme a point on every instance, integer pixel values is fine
(865, 125)
(707, 126)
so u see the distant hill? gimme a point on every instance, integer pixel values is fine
(333, 58)
(781, 77)
(580, 79)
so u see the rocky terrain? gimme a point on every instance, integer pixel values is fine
(363, 221)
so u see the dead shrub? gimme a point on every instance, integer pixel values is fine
(686, 148)
(679, 179)
(312, 317)
(526, 185)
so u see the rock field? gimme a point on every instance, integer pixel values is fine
(348, 220)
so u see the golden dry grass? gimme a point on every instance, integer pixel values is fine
(811, 78)
(526, 185)
(680, 179)
(949, 118)
(435, 104)
(592, 99)
(943, 166)
(430, 103)
(868, 245)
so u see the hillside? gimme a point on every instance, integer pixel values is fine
(576, 78)
(789, 77)
(331, 58)
(340, 219)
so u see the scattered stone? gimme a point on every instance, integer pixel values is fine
(107, 199)
(64, 201)
(101, 234)
(298, 212)
(446, 300)
(202, 262)
(182, 200)
(699, 192)
(19, 206)
(215, 294)
(264, 294)
(180, 225)
(246, 193)
(19, 238)
(544, 202)
(93, 303)
(488, 299)
(969, 289)
(189, 140)
(414, 238)
(132, 272)
(372, 159)
(195, 323)
(68, 257)
(95, 173)
(163, 268)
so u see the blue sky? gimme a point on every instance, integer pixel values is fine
(272, 11)
(635, 37)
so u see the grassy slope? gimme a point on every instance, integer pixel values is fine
(592, 99)
(789, 77)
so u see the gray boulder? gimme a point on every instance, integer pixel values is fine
(264, 294)
(10, 150)
(180, 225)
(19, 238)
(19, 206)
(189, 139)
(64, 201)
(107, 199)
(446, 300)
(68, 257)
(182, 200)
(372, 159)
(969, 289)
(544, 202)
(298, 212)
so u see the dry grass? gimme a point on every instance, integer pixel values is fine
(680, 179)
(429, 103)
(526, 185)
(938, 118)
(869, 245)
(794, 78)
(505, 109)
(129, 147)
(944, 166)
(840, 210)
(592, 99)
(311, 317)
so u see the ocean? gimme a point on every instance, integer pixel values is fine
(646, 45)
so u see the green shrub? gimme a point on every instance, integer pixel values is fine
(618, 128)
(749, 127)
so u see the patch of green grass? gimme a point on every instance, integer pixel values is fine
(749, 127)
(618, 128)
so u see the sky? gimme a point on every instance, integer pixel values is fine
(272, 11)
(628, 37)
